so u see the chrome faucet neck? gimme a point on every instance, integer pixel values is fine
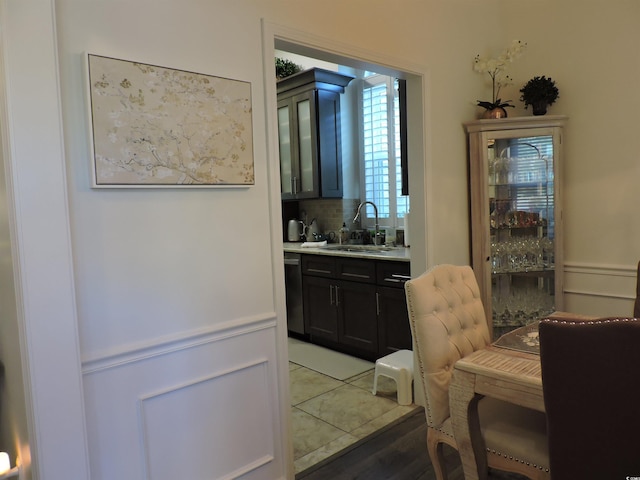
(376, 238)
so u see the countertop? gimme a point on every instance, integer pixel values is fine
(400, 254)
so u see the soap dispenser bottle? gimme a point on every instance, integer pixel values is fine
(343, 234)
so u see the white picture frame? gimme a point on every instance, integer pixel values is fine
(155, 126)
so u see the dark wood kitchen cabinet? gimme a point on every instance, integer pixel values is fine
(309, 134)
(349, 307)
(394, 332)
(357, 326)
(320, 313)
(337, 312)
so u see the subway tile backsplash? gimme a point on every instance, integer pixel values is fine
(331, 213)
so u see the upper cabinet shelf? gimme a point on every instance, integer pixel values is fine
(309, 134)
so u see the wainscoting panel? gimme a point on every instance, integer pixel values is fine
(185, 422)
(184, 413)
(599, 289)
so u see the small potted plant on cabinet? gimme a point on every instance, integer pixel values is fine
(285, 68)
(539, 92)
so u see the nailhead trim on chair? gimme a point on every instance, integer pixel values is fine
(511, 457)
(444, 432)
(590, 322)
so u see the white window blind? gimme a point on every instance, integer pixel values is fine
(532, 170)
(382, 172)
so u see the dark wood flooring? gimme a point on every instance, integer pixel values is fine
(397, 453)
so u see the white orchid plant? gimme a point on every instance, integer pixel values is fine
(495, 67)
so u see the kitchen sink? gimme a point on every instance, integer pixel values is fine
(360, 248)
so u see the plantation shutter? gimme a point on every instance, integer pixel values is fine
(532, 158)
(382, 150)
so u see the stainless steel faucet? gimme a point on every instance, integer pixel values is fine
(376, 238)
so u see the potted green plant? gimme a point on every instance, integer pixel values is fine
(285, 68)
(539, 92)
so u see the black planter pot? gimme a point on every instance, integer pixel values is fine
(539, 108)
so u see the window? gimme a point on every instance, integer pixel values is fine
(381, 172)
(533, 173)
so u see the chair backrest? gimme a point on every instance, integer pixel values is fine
(636, 305)
(592, 397)
(447, 323)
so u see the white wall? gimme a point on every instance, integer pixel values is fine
(177, 294)
(596, 66)
(176, 288)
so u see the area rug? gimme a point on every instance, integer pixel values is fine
(322, 360)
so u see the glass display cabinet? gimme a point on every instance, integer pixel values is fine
(516, 217)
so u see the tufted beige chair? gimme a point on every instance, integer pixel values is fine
(447, 323)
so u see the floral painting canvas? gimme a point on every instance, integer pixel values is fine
(157, 126)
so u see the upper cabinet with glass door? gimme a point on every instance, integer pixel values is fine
(309, 134)
(516, 217)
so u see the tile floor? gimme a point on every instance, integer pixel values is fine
(330, 415)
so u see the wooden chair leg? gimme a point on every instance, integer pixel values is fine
(436, 454)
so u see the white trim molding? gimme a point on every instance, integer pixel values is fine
(600, 280)
(599, 289)
(600, 269)
(35, 161)
(182, 341)
(213, 402)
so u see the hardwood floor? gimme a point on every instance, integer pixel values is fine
(398, 453)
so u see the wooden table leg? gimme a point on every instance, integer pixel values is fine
(463, 404)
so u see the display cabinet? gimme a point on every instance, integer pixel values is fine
(516, 217)
(309, 134)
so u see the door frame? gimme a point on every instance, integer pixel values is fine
(417, 76)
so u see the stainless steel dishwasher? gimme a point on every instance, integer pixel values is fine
(293, 286)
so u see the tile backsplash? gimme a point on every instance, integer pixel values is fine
(331, 213)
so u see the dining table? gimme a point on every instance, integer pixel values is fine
(509, 370)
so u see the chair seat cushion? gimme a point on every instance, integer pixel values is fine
(517, 431)
(511, 430)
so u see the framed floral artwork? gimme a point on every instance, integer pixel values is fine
(154, 126)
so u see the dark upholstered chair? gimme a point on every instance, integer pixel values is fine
(636, 306)
(592, 397)
(448, 322)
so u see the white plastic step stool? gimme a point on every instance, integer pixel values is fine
(399, 366)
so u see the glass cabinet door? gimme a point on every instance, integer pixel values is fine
(284, 139)
(521, 229)
(297, 137)
(306, 147)
(516, 224)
